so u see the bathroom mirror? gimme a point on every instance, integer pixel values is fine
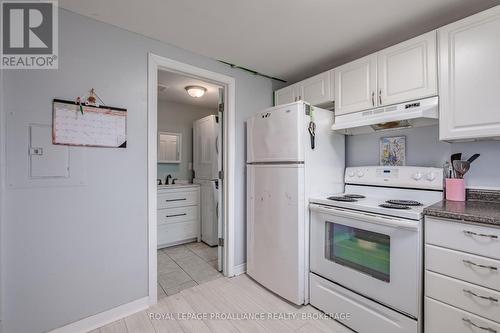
(169, 147)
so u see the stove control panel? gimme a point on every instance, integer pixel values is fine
(396, 176)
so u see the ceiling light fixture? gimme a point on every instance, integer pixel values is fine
(196, 91)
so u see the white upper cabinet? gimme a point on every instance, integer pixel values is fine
(356, 85)
(408, 71)
(469, 71)
(286, 95)
(315, 90)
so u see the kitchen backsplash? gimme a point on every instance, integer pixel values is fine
(423, 148)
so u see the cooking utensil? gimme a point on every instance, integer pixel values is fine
(461, 168)
(473, 158)
(455, 157)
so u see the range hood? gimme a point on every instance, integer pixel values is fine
(417, 113)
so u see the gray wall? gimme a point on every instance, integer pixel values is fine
(175, 117)
(71, 252)
(423, 148)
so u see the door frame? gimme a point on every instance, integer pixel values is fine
(156, 63)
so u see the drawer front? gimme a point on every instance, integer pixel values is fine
(464, 266)
(441, 318)
(178, 199)
(463, 295)
(176, 215)
(475, 239)
(365, 316)
(177, 232)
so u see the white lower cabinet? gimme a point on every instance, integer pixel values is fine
(443, 318)
(462, 280)
(178, 215)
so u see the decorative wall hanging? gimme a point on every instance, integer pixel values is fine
(88, 124)
(393, 151)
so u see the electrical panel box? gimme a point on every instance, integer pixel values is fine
(46, 160)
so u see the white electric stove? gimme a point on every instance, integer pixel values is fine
(366, 247)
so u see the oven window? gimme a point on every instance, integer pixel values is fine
(365, 251)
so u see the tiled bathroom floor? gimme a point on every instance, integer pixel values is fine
(184, 266)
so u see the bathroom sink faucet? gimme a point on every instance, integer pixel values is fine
(167, 179)
(173, 181)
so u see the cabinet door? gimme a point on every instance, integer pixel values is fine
(315, 90)
(469, 71)
(355, 85)
(408, 71)
(286, 95)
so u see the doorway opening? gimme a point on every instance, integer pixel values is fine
(190, 170)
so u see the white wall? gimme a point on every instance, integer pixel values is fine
(2, 196)
(71, 252)
(423, 148)
(179, 118)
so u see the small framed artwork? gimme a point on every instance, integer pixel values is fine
(393, 150)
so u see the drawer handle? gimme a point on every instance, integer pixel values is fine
(176, 215)
(493, 268)
(489, 329)
(489, 298)
(170, 200)
(472, 233)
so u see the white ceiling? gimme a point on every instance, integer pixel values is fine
(289, 39)
(175, 90)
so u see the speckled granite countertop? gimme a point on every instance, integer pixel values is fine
(481, 207)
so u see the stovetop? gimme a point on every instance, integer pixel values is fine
(399, 202)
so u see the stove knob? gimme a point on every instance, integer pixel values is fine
(351, 174)
(417, 176)
(431, 176)
(360, 174)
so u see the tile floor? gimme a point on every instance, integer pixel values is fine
(185, 266)
(238, 295)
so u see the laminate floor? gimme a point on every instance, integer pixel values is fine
(223, 305)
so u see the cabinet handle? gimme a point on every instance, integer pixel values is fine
(489, 329)
(217, 145)
(373, 98)
(493, 268)
(380, 96)
(489, 298)
(472, 233)
(170, 200)
(176, 215)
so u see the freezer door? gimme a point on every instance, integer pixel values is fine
(276, 229)
(277, 135)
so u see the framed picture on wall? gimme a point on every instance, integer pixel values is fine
(393, 150)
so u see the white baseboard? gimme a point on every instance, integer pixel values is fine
(240, 269)
(104, 318)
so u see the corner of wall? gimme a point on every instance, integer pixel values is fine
(2, 194)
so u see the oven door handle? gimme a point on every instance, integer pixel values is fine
(392, 222)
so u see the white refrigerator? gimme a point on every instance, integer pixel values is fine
(286, 164)
(206, 147)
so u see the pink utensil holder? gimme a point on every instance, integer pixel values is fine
(455, 189)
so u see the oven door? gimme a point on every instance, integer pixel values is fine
(376, 256)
